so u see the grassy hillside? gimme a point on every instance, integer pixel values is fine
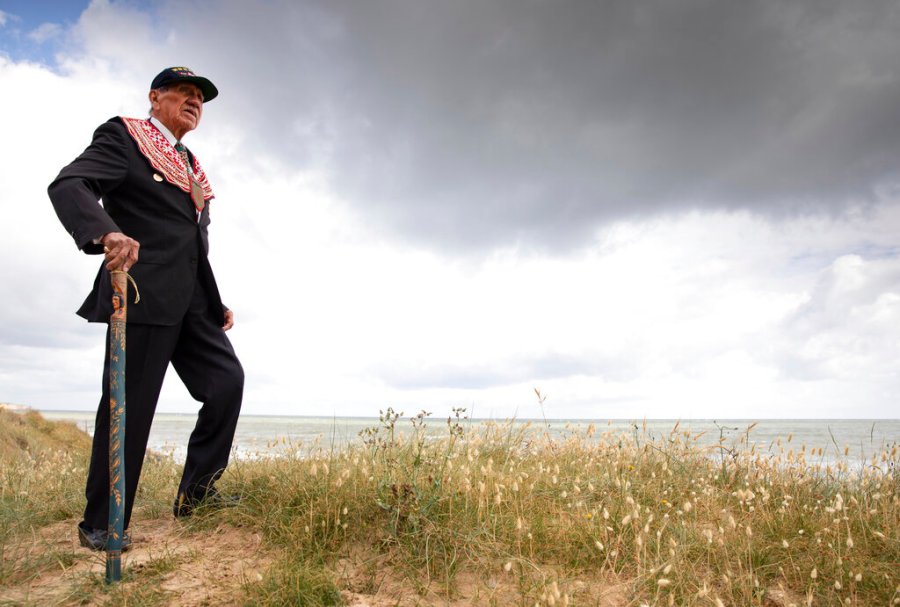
(28, 434)
(490, 514)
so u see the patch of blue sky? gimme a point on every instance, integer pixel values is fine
(35, 30)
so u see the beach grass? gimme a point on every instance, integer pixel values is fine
(510, 514)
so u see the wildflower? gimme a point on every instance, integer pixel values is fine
(814, 573)
(507, 566)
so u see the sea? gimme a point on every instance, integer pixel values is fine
(257, 436)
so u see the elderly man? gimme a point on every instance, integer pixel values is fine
(153, 224)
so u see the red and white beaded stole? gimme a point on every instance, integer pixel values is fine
(164, 158)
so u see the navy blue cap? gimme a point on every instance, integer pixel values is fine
(171, 75)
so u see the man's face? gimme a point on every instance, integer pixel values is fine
(178, 106)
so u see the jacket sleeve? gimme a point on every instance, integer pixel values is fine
(77, 189)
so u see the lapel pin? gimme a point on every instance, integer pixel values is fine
(157, 177)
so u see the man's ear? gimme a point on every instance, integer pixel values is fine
(153, 96)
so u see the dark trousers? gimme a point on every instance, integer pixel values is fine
(202, 355)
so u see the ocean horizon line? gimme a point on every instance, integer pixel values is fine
(434, 417)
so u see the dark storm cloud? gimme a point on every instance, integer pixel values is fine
(486, 123)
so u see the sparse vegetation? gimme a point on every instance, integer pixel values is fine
(508, 514)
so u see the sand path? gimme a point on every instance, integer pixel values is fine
(187, 567)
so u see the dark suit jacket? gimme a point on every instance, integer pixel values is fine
(159, 215)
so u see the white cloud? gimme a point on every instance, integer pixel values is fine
(846, 328)
(45, 32)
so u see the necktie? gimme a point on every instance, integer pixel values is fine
(182, 151)
(196, 189)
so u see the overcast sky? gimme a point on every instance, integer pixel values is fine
(665, 209)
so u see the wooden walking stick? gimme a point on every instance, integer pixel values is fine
(117, 322)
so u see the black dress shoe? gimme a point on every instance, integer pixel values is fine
(213, 500)
(95, 539)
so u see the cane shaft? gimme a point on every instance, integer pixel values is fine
(116, 427)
